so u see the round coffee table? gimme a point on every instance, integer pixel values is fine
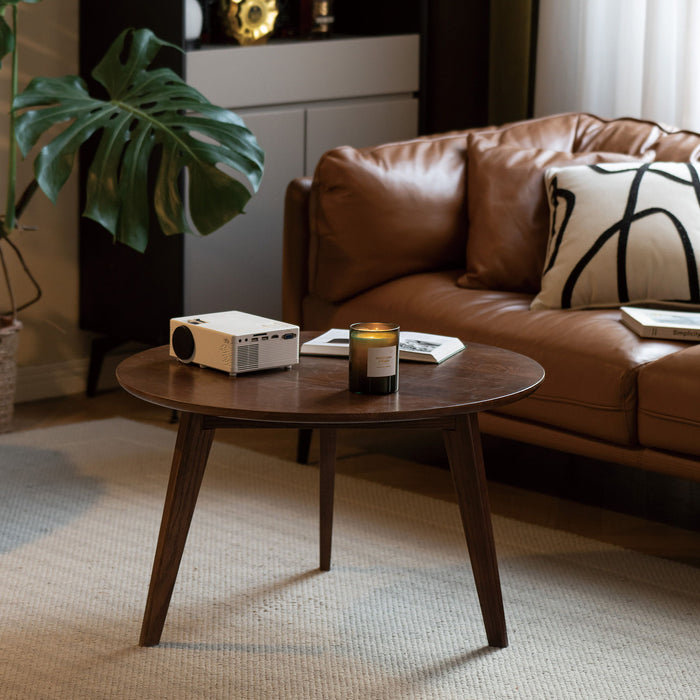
(314, 395)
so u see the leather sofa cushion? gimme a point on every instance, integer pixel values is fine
(669, 409)
(508, 211)
(380, 213)
(589, 357)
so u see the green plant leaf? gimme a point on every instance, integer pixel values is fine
(7, 36)
(151, 114)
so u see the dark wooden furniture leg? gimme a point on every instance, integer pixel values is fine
(98, 351)
(467, 466)
(326, 491)
(304, 445)
(189, 461)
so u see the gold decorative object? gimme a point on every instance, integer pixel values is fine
(322, 17)
(248, 21)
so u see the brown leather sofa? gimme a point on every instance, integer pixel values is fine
(384, 233)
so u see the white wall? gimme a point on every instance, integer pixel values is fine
(53, 351)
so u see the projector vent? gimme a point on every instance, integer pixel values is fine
(247, 358)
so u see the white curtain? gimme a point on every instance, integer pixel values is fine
(620, 58)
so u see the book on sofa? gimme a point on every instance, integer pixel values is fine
(419, 347)
(667, 324)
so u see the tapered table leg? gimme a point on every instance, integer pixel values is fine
(467, 466)
(326, 490)
(304, 445)
(189, 461)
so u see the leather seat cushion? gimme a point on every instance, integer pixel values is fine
(669, 409)
(590, 358)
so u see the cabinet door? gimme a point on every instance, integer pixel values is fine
(359, 123)
(239, 267)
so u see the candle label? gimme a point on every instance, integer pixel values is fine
(381, 362)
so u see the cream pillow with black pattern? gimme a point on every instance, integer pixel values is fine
(621, 234)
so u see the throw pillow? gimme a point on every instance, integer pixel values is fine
(622, 234)
(384, 212)
(508, 211)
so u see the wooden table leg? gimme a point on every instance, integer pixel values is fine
(467, 466)
(326, 490)
(189, 461)
(304, 445)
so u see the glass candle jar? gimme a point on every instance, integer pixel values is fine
(374, 358)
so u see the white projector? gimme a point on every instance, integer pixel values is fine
(234, 342)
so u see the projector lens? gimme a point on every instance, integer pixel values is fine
(183, 343)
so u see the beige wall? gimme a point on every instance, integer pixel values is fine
(53, 352)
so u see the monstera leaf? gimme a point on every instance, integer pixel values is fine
(151, 115)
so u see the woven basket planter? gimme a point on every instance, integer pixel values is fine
(9, 339)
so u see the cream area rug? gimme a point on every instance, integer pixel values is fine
(253, 617)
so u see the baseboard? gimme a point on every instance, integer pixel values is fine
(62, 378)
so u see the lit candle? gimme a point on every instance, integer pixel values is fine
(374, 358)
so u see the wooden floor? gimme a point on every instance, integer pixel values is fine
(387, 458)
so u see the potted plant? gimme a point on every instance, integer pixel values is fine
(150, 119)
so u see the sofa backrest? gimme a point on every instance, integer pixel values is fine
(382, 212)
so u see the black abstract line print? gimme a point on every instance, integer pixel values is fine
(623, 229)
(569, 199)
(624, 234)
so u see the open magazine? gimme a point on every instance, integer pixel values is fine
(420, 347)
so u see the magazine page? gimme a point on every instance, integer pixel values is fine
(422, 342)
(424, 347)
(336, 341)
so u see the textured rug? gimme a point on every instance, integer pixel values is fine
(252, 616)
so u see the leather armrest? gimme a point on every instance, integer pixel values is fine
(295, 257)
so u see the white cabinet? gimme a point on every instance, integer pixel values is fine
(238, 266)
(300, 99)
(358, 123)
